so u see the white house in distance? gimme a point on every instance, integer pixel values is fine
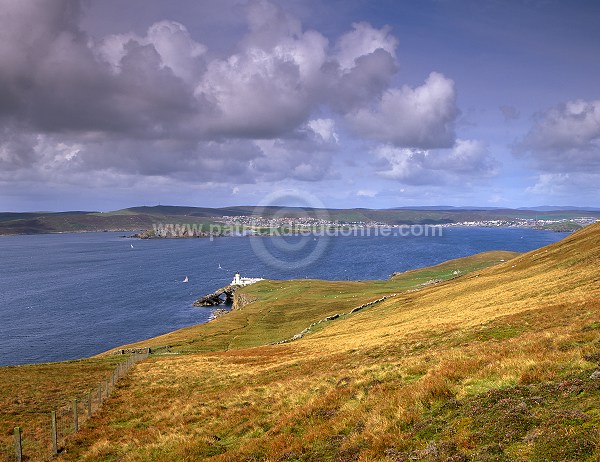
(240, 281)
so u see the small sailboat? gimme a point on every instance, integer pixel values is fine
(220, 266)
(186, 279)
(131, 245)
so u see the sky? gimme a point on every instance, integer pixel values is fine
(107, 104)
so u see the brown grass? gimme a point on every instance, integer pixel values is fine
(476, 368)
(284, 308)
(409, 378)
(29, 393)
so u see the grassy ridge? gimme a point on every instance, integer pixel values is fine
(495, 365)
(284, 308)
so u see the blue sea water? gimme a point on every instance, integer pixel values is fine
(67, 296)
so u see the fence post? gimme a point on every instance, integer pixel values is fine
(18, 447)
(75, 417)
(54, 434)
(106, 388)
(89, 405)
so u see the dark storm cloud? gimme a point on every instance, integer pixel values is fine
(16, 148)
(56, 82)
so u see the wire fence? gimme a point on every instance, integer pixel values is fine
(41, 444)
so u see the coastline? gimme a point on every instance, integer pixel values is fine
(145, 258)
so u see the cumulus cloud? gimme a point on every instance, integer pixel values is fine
(565, 185)
(255, 95)
(363, 40)
(355, 88)
(468, 159)
(565, 138)
(160, 104)
(317, 141)
(50, 158)
(405, 165)
(422, 117)
(325, 128)
(171, 41)
(284, 73)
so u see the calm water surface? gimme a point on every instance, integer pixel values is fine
(66, 296)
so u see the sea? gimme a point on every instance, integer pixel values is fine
(68, 296)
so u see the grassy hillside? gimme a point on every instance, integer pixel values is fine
(494, 365)
(29, 393)
(284, 308)
(121, 220)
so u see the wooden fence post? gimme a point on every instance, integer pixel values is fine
(75, 417)
(106, 388)
(54, 434)
(18, 447)
(89, 405)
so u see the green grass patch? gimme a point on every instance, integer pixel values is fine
(285, 308)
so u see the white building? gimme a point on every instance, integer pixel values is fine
(240, 281)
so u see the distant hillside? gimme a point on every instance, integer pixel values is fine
(137, 218)
(67, 222)
(548, 208)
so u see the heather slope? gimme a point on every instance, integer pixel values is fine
(494, 365)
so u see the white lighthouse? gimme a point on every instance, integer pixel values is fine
(240, 281)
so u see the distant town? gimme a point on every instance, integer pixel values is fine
(299, 223)
(572, 223)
